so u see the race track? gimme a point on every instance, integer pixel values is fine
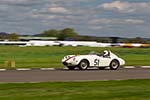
(15, 76)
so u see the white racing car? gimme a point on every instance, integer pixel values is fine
(93, 59)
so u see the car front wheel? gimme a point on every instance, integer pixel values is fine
(114, 64)
(84, 64)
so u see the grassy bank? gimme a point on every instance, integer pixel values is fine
(104, 90)
(51, 56)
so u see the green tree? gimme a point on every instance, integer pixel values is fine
(13, 36)
(50, 33)
(67, 33)
(60, 34)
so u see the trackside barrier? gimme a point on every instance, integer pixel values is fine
(72, 43)
(11, 64)
(132, 45)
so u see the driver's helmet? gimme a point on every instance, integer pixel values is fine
(106, 53)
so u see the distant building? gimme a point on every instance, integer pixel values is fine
(27, 38)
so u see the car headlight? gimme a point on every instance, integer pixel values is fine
(66, 57)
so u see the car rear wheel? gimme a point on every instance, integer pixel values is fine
(84, 64)
(114, 64)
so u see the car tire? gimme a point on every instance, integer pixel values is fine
(84, 64)
(71, 67)
(114, 64)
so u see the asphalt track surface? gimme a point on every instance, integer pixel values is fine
(61, 75)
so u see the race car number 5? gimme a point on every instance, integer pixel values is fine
(96, 62)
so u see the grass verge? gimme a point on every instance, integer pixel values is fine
(36, 57)
(98, 90)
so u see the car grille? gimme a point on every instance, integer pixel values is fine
(65, 63)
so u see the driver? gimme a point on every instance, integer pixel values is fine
(106, 53)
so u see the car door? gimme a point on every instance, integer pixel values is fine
(104, 61)
(94, 60)
(99, 61)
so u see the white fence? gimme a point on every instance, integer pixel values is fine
(72, 43)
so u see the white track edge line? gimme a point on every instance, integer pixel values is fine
(129, 67)
(145, 66)
(47, 68)
(26, 69)
(23, 69)
(3, 69)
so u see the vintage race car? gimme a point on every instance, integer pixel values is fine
(93, 59)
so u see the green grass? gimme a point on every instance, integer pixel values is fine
(98, 90)
(36, 57)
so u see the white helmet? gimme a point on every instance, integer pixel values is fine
(106, 52)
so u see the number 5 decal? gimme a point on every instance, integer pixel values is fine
(96, 62)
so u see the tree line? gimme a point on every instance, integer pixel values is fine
(11, 36)
(71, 34)
(60, 34)
(63, 34)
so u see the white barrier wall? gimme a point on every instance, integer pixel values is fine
(72, 43)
